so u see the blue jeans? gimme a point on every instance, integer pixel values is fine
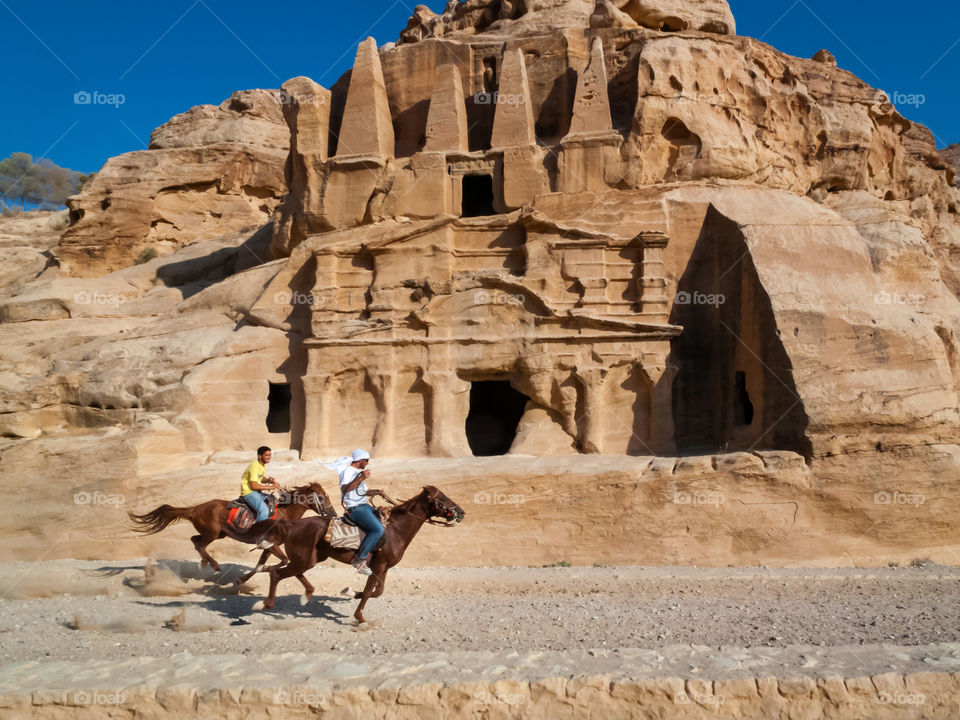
(257, 503)
(366, 520)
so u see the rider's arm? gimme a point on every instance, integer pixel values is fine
(254, 485)
(353, 484)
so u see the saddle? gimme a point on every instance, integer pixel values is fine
(344, 534)
(241, 517)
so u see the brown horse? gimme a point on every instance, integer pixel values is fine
(306, 547)
(210, 521)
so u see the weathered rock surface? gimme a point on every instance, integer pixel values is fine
(652, 237)
(26, 242)
(712, 16)
(207, 172)
(952, 154)
(249, 117)
(741, 508)
(524, 17)
(680, 682)
(85, 354)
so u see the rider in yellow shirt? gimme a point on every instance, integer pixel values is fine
(253, 481)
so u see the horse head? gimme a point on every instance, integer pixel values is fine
(312, 496)
(440, 506)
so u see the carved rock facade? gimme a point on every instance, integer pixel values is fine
(624, 226)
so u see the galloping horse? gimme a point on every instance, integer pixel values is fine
(210, 520)
(306, 547)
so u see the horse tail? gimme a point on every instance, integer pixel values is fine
(156, 520)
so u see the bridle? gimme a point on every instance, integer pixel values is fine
(436, 507)
(319, 507)
(313, 502)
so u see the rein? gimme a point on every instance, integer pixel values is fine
(431, 520)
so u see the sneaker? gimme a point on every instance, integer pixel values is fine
(264, 544)
(361, 566)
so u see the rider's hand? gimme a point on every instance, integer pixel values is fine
(374, 493)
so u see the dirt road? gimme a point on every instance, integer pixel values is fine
(79, 610)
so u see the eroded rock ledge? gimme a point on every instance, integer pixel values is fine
(677, 682)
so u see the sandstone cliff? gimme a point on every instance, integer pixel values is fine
(207, 172)
(512, 17)
(543, 195)
(952, 155)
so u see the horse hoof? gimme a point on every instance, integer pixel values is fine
(304, 599)
(259, 605)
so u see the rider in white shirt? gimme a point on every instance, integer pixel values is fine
(354, 495)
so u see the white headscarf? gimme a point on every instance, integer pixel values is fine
(341, 464)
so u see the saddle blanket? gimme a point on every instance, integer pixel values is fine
(240, 516)
(341, 535)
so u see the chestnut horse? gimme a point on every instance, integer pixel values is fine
(210, 521)
(306, 547)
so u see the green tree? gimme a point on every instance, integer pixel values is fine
(84, 179)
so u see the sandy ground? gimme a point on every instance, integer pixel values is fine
(81, 610)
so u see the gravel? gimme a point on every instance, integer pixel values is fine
(81, 610)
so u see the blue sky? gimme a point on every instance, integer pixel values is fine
(163, 58)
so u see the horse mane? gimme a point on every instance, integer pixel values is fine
(304, 490)
(309, 487)
(407, 504)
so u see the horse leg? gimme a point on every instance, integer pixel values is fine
(383, 579)
(258, 568)
(275, 550)
(364, 596)
(378, 590)
(262, 561)
(276, 575)
(308, 589)
(200, 543)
